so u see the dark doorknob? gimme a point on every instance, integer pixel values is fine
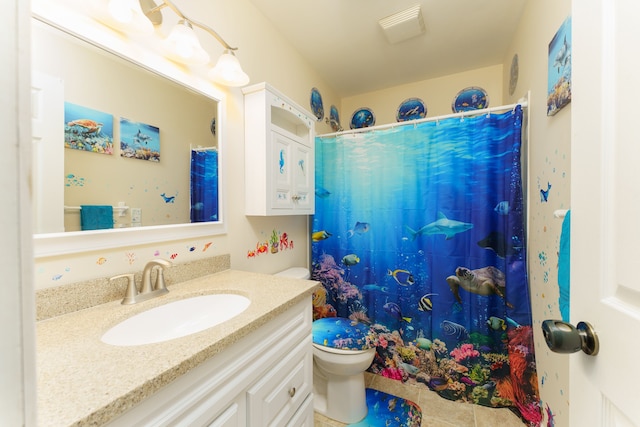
(563, 337)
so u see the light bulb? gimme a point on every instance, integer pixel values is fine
(182, 45)
(228, 71)
(122, 15)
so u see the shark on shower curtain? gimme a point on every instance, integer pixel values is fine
(419, 234)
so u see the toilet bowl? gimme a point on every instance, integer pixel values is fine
(341, 354)
(338, 382)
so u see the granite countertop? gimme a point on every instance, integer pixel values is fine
(83, 381)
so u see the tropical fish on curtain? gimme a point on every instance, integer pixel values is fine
(204, 185)
(419, 234)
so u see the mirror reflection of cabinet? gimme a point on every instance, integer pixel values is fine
(279, 154)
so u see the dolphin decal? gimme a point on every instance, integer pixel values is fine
(443, 225)
(563, 57)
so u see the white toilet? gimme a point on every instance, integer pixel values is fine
(338, 373)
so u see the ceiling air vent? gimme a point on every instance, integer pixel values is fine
(403, 25)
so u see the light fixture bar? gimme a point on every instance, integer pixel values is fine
(151, 11)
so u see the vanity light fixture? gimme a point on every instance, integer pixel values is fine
(227, 71)
(122, 15)
(182, 44)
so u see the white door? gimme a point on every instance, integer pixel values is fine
(605, 204)
(47, 132)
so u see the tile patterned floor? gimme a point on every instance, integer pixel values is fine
(436, 411)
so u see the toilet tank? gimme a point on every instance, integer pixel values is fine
(295, 273)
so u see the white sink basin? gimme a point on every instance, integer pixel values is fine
(176, 319)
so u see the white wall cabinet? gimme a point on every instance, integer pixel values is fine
(264, 379)
(279, 154)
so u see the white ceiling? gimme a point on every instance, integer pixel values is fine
(343, 41)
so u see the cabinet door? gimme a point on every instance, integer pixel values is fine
(303, 177)
(282, 172)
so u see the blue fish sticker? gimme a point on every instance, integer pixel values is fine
(168, 199)
(544, 194)
(281, 162)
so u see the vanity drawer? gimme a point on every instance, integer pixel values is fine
(274, 399)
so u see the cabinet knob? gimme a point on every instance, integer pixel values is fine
(292, 391)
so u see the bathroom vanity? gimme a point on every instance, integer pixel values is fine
(252, 370)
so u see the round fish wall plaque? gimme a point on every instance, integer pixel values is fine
(362, 118)
(513, 76)
(470, 98)
(316, 104)
(411, 109)
(334, 119)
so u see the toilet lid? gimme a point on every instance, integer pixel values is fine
(341, 333)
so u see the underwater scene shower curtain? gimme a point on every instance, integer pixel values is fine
(419, 236)
(204, 185)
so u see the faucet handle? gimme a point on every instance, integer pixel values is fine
(132, 290)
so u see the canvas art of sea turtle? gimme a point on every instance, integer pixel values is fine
(482, 281)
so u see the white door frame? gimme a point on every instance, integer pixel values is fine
(17, 336)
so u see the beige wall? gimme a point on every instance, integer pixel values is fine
(549, 156)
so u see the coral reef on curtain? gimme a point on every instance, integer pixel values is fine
(491, 370)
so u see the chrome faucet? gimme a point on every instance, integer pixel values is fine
(147, 291)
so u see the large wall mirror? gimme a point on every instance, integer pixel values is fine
(123, 153)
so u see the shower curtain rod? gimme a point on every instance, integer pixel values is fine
(203, 148)
(523, 102)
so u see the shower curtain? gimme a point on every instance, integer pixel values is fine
(204, 185)
(419, 234)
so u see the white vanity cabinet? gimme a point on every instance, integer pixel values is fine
(279, 154)
(264, 379)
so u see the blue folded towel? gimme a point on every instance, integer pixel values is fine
(96, 217)
(564, 267)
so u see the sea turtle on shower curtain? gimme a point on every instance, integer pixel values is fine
(482, 281)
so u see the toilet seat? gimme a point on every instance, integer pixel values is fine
(338, 350)
(341, 334)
